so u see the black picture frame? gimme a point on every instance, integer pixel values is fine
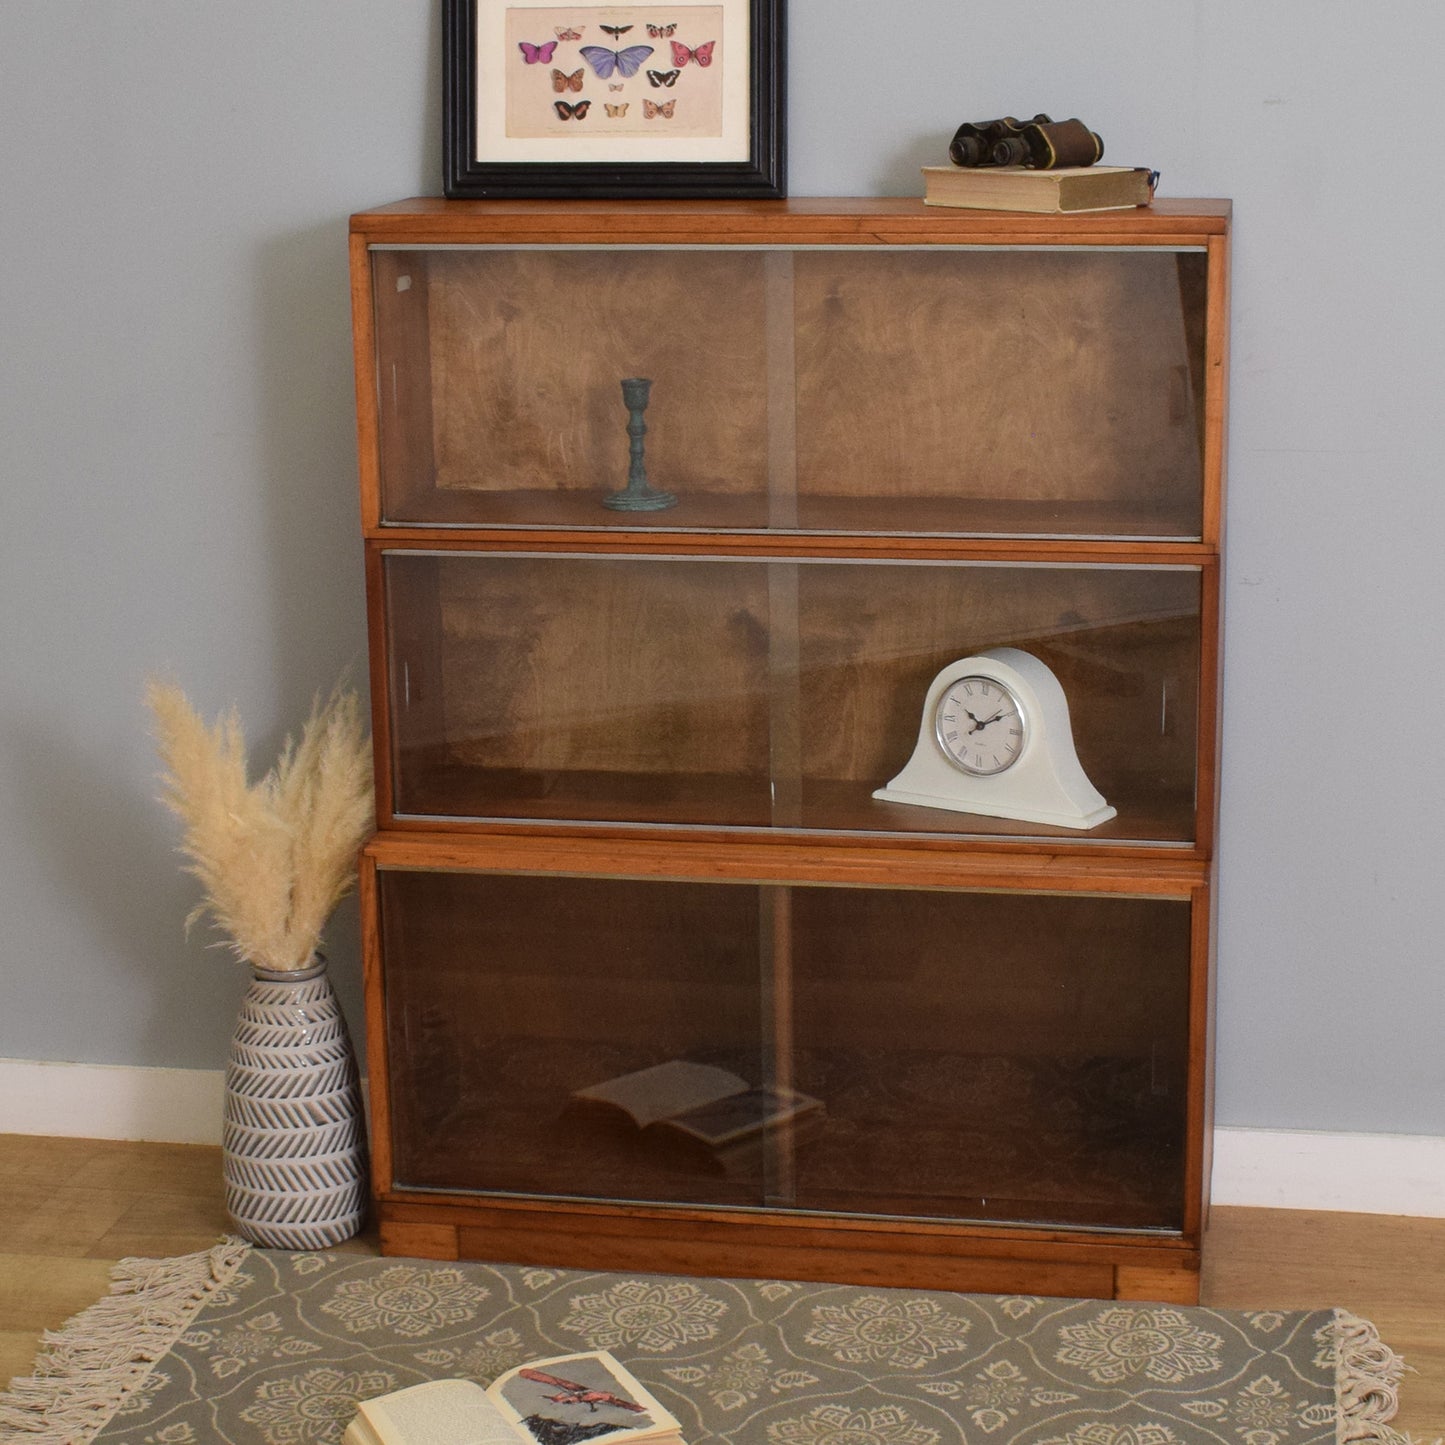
(760, 175)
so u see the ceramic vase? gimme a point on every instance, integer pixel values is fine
(294, 1143)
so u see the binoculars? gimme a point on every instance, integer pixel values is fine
(1041, 143)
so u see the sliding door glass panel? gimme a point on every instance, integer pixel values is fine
(742, 693)
(1000, 392)
(1009, 1057)
(1006, 1057)
(1123, 643)
(499, 378)
(587, 689)
(874, 389)
(542, 1032)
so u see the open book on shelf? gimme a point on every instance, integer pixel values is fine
(557, 1401)
(703, 1104)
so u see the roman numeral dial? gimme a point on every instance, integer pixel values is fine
(980, 726)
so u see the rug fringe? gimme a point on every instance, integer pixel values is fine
(86, 1369)
(1367, 1384)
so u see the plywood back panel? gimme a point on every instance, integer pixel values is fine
(617, 666)
(527, 350)
(1006, 974)
(996, 374)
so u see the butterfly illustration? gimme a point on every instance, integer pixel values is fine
(614, 30)
(665, 110)
(562, 83)
(536, 54)
(614, 87)
(661, 32)
(701, 56)
(571, 112)
(617, 109)
(569, 34)
(605, 61)
(660, 78)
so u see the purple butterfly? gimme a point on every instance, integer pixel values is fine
(536, 54)
(605, 61)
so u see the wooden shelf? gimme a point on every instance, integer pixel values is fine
(453, 793)
(801, 220)
(766, 857)
(540, 509)
(852, 1168)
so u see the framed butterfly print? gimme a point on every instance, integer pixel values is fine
(647, 100)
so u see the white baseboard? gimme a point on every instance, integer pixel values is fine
(105, 1101)
(1264, 1168)
(1352, 1173)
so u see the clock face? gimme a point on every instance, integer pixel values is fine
(980, 726)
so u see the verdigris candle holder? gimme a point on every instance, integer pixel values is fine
(637, 495)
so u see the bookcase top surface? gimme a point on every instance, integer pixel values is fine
(879, 220)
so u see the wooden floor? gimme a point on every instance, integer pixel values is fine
(69, 1208)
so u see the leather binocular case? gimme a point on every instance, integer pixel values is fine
(1040, 143)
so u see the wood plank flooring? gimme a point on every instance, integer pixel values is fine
(69, 1208)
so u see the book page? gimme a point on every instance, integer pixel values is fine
(725, 1121)
(571, 1398)
(441, 1412)
(664, 1090)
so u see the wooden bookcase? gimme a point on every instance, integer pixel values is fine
(625, 760)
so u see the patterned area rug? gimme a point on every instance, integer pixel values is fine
(240, 1345)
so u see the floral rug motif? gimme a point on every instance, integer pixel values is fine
(277, 1348)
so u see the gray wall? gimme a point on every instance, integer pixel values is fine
(177, 459)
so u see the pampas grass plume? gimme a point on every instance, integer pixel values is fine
(274, 857)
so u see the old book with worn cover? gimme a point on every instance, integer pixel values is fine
(556, 1401)
(1019, 188)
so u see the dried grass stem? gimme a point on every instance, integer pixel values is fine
(274, 858)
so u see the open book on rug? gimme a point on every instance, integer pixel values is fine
(556, 1401)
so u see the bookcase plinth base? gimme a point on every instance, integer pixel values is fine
(969, 1260)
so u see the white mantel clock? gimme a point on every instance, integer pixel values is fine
(996, 739)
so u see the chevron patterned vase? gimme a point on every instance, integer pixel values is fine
(294, 1144)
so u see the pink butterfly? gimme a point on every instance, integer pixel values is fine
(701, 56)
(651, 111)
(536, 54)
